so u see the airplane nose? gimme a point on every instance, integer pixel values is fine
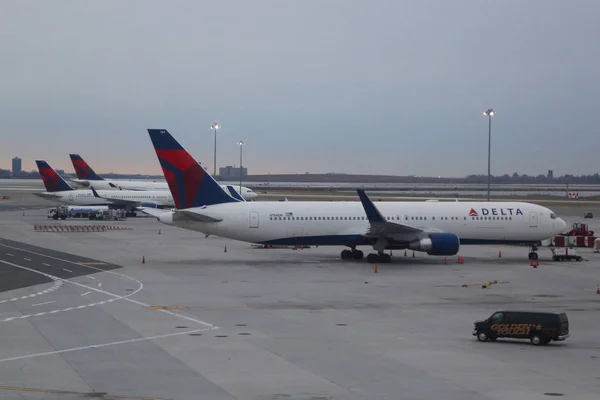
(562, 225)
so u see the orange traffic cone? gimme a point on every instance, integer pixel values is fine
(445, 261)
(598, 289)
(531, 263)
(499, 253)
(143, 260)
(375, 270)
(159, 231)
(225, 251)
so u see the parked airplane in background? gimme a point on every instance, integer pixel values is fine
(86, 177)
(58, 190)
(437, 228)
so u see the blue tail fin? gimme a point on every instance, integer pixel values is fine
(234, 193)
(83, 170)
(52, 181)
(190, 184)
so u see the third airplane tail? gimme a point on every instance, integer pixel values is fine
(190, 185)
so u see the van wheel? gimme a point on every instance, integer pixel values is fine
(537, 340)
(482, 336)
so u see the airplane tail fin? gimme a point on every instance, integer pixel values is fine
(52, 181)
(189, 183)
(234, 193)
(83, 170)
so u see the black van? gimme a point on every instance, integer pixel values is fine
(539, 327)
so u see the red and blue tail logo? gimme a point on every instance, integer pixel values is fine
(190, 185)
(83, 170)
(52, 181)
(473, 213)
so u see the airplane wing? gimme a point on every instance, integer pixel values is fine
(125, 202)
(382, 227)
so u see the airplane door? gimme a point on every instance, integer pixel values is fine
(533, 219)
(71, 196)
(253, 219)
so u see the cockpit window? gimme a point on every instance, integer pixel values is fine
(552, 216)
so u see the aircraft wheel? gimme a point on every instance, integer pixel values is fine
(373, 258)
(346, 254)
(533, 256)
(358, 255)
(385, 258)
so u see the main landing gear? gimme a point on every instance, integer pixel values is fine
(352, 254)
(379, 258)
(533, 255)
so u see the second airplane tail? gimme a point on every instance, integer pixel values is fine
(83, 170)
(52, 180)
(190, 185)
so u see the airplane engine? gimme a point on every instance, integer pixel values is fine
(437, 244)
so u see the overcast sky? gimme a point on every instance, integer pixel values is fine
(382, 86)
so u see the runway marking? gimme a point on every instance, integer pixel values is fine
(8, 254)
(91, 277)
(99, 284)
(92, 394)
(167, 307)
(115, 297)
(46, 264)
(96, 346)
(26, 259)
(41, 304)
(86, 293)
(55, 286)
(85, 264)
(68, 270)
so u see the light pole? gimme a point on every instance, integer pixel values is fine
(241, 143)
(215, 127)
(489, 113)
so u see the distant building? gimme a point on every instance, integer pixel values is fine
(550, 174)
(232, 172)
(16, 167)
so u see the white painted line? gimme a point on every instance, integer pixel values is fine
(46, 264)
(8, 254)
(91, 277)
(117, 297)
(39, 314)
(69, 309)
(53, 311)
(26, 259)
(96, 346)
(41, 304)
(80, 307)
(99, 284)
(86, 293)
(68, 270)
(14, 299)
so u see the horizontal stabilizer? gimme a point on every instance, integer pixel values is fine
(182, 215)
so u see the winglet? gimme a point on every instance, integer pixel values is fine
(190, 185)
(94, 192)
(52, 180)
(373, 215)
(83, 170)
(234, 193)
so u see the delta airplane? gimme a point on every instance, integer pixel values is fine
(437, 228)
(86, 177)
(58, 190)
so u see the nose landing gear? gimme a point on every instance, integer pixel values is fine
(533, 255)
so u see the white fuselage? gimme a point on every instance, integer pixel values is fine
(85, 197)
(247, 193)
(337, 223)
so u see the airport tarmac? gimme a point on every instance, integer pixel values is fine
(82, 316)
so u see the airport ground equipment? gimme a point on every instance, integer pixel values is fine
(565, 254)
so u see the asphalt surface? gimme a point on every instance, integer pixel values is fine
(44, 261)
